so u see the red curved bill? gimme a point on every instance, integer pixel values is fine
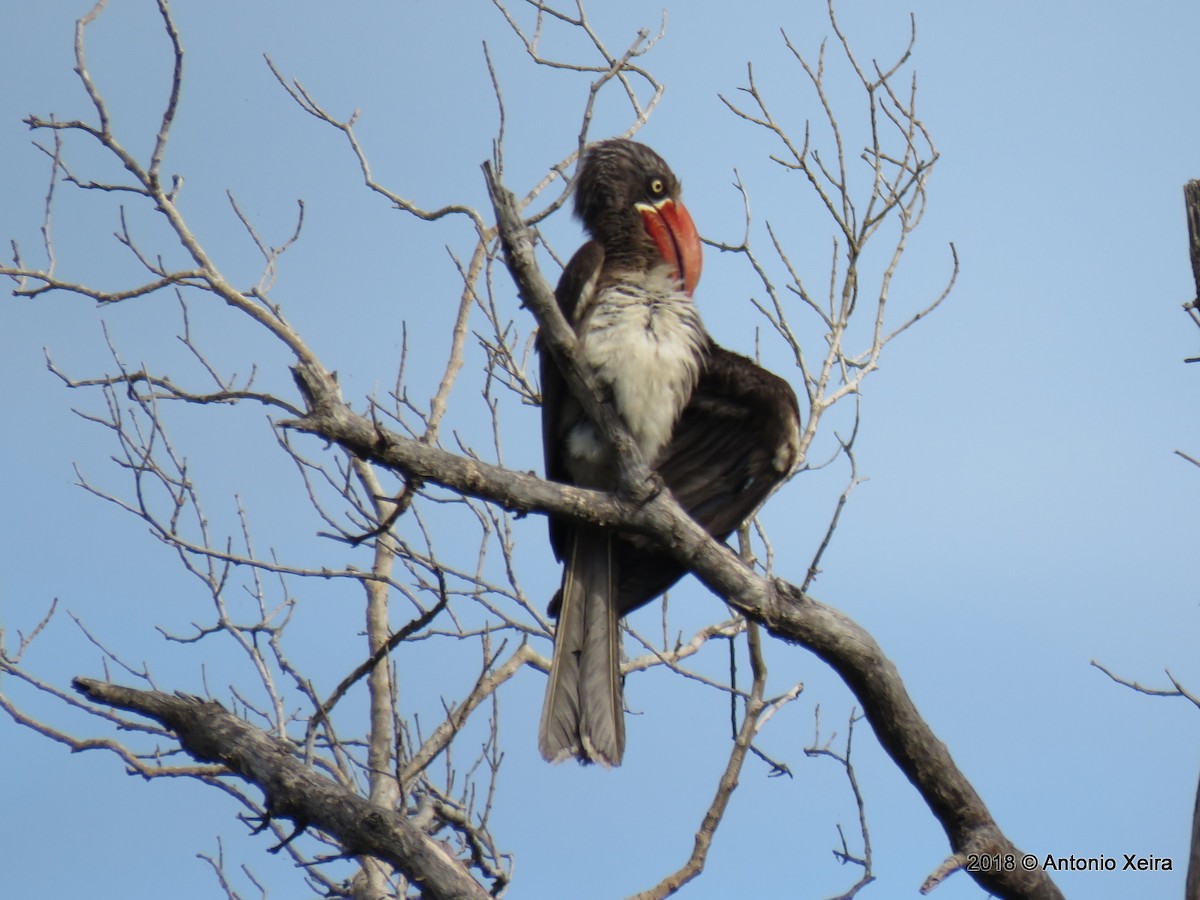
(670, 226)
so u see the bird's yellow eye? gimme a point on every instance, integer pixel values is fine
(657, 188)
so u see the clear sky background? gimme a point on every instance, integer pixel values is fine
(1024, 512)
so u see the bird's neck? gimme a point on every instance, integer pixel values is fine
(643, 337)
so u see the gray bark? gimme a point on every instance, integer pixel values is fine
(210, 733)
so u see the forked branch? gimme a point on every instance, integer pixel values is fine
(787, 613)
(294, 791)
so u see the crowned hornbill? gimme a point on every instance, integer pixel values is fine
(720, 431)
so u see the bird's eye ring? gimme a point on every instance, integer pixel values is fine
(657, 188)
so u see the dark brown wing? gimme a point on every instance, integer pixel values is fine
(737, 439)
(560, 411)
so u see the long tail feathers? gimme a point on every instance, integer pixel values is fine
(583, 715)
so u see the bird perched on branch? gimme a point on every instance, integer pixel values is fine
(720, 431)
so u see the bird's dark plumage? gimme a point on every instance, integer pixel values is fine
(721, 431)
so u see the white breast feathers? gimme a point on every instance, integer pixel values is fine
(645, 341)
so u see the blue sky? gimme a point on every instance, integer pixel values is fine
(1024, 512)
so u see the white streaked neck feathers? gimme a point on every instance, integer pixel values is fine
(643, 337)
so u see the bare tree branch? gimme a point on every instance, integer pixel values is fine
(1177, 690)
(211, 734)
(845, 855)
(788, 613)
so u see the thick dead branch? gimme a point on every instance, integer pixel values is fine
(780, 607)
(1191, 202)
(330, 418)
(789, 614)
(210, 733)
(1192, 889)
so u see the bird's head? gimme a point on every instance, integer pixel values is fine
(628, 199)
